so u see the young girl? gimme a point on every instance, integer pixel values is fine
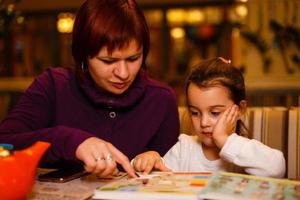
(215, 94)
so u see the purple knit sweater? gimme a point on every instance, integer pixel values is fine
(59, 109)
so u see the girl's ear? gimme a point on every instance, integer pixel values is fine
(242, 107)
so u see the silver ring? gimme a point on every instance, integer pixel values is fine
(98, 159)
(108, 157)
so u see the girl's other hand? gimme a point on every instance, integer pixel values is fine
(101, 158)
(226, 125)
(146, 162)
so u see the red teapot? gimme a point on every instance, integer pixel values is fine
(18, 170)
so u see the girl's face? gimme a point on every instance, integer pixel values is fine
(115, 72)
(206, 106)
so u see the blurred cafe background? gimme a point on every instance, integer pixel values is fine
(261, 37)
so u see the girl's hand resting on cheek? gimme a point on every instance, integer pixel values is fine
(226, 125)
(146, 162)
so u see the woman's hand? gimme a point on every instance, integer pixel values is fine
(226, 125)
(147, 161)
(101, 158)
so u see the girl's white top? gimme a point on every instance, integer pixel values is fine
(239, 154)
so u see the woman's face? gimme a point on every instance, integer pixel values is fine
(206, 105)
(115, 72)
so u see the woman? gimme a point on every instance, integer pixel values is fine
(107, 110)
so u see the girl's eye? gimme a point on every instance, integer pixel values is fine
(194, 113)
(215, 113)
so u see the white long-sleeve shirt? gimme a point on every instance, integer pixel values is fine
(237, 155)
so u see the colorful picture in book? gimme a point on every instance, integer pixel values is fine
(160, 185)
(243, 187)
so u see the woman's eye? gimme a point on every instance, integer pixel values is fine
(132, 59)
(108, 61)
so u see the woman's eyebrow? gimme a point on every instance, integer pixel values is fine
(111, 57)
(136, 54)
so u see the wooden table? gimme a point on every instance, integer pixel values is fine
(78, 189)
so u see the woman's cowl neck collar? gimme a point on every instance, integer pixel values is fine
(103, 98)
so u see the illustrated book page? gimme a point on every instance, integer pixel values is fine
(157, 185)
(228, 186)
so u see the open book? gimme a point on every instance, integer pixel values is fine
(228, 186)
(157, 185)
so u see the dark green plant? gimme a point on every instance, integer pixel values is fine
(262, 47)
(284, 37)
(8, 15)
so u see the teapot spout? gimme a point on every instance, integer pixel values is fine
(35, 152)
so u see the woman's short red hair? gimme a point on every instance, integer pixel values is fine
(111, 23)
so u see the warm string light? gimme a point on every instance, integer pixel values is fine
(177, 33)
(65, 22)
(181, 16)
